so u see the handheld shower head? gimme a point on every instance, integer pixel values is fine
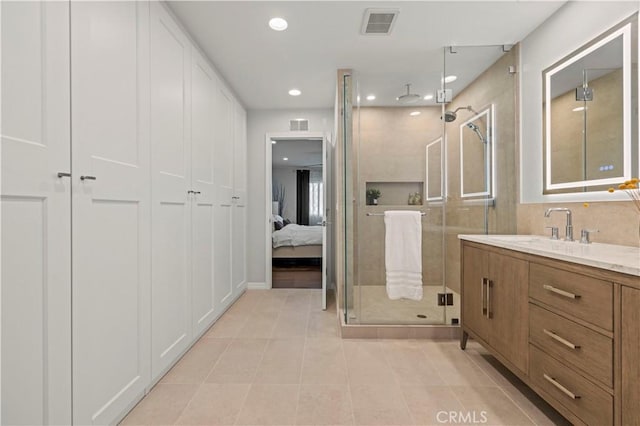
(477, 131)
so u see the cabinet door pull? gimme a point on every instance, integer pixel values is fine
(483, 295)
(562, 389)
(564, 341)
(85, 177)
(489, 285)
(63, 174)
(560, 292)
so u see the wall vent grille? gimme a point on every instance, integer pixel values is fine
(299, 125)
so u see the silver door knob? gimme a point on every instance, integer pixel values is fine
(87, 177)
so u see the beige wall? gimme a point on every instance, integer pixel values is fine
(617, 221)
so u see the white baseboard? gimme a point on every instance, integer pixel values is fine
(257, 286)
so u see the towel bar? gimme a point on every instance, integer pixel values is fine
(382, 214)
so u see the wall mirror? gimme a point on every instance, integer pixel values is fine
(433, 178)
(590, 114)
(476, 155)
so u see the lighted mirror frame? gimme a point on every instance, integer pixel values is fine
(431, 146)
(488, 114)
(625, 32)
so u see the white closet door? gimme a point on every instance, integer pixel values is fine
(239, 217)
(171, 181)
(36, 214)
(203, 92)
(111, 208)
(223, 156)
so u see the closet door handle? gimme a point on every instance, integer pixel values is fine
(85, 177)
(197, 192)
(235, 198)
(63, 174)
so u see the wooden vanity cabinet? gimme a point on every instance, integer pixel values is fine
(571, 332)
(630, 356)
(495, 309)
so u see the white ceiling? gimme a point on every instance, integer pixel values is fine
(300, 153)
(262, 65)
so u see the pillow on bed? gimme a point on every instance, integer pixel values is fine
(278, 222)
(286, 222)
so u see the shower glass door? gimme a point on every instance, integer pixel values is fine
(481, 152)
(394, 154)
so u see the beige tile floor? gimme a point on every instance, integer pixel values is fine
(275, 358)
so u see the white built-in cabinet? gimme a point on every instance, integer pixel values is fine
(170, 183)
(36, 211)
(111, 212)
(119, 141)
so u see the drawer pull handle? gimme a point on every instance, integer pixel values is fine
(560, 339)
(562, 389)
(560, 292)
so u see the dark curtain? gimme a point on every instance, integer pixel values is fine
(302, 192)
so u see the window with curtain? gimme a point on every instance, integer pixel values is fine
(316, 198)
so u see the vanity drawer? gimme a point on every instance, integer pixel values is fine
(584, 297)
(583, 398)
(576, 345)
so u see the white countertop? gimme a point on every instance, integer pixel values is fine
(624, 259)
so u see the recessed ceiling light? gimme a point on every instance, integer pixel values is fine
(450, 78)
(285, 158)
(414, 113)
(428, 97)
(371, 97)
(579, 109)
(278, 24)
(295, 92)
(273, 142)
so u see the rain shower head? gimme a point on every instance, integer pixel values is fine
(450, 116)
(408, 98)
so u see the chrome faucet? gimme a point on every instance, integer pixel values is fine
(569, 228)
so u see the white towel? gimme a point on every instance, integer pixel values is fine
(403, 254)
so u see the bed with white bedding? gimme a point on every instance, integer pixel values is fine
(294, 241)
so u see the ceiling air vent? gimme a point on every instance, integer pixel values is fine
(379, 21)
(299, 125)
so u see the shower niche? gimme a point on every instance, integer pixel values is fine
(397, 193)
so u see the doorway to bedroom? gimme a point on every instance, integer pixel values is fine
(297, 209)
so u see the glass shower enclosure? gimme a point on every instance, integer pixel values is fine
(441, 141)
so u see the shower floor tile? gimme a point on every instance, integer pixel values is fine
(373, 306)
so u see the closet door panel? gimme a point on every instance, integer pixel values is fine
(239, 257)
(203, 91)
(171, 181)
(224, 193)
(36, 211)
(111, 208)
